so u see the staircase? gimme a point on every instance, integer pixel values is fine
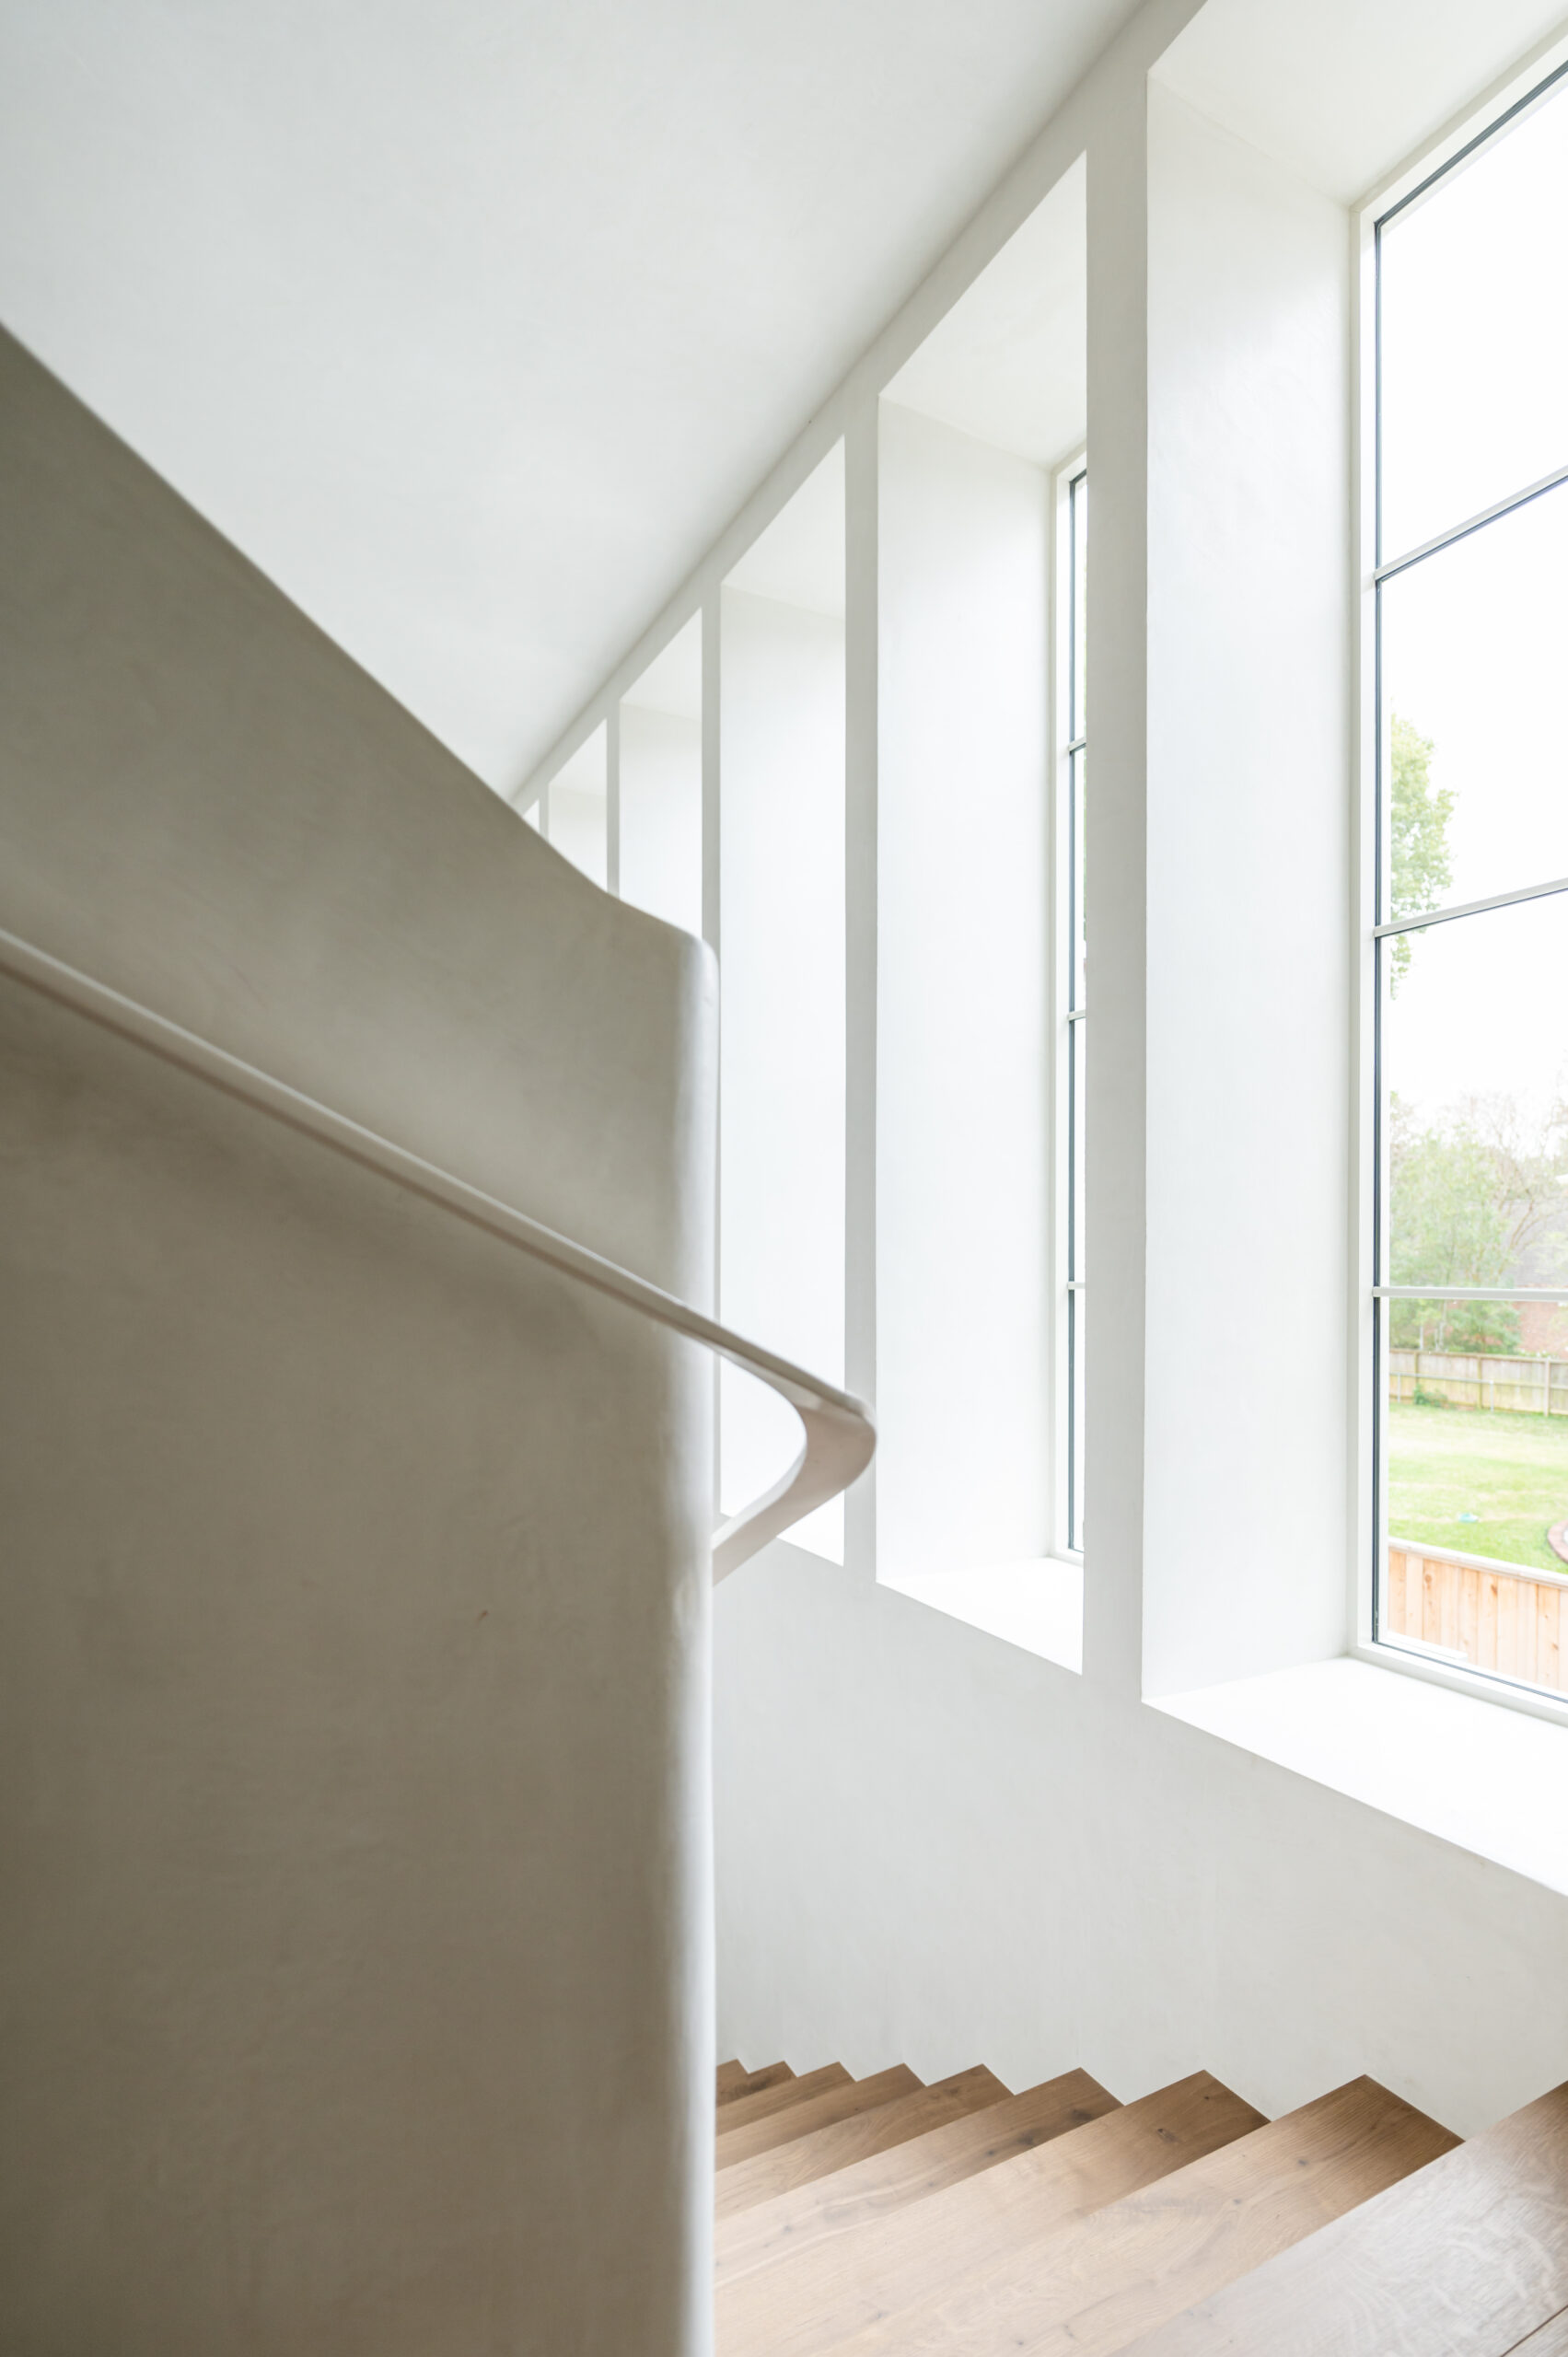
(882, 2218)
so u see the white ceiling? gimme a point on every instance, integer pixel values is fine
(1344, 90)
(473, 324)
(1009, 363)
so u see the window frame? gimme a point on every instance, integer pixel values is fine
(1524, 88)
(1067, 1113)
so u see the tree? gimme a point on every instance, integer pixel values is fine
(1529, 1152)
(1419, 869)
(1447, 1227)
(1480, 1198)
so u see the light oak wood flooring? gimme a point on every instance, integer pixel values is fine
(827, 2151)
(809, 2301)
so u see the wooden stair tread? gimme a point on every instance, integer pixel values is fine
(1099, 2285)
(810, 2300)
(736, 2145)
(825, 2150)
(1468, 2259)
(740, 2082)
(1551, 2340)
(741, 2111)
(885, 2182)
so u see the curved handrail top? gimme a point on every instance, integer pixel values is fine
(838, 1436)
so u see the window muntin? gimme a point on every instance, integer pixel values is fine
(1471, 1246)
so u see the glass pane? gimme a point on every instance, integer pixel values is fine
(1079, 699)
(1077, 980)
(1078, 1053)
(1472, 1477)
(1476, 1484)
(1077, 987)
(1075, 1419)
(1475, 754)
(1475, 1047)
(1077, 1061)
(1474, 334)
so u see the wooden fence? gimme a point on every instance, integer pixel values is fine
(1537, 1387)
(1499, 1616)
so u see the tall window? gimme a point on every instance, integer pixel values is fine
(1071, 916)
(1470, 1253)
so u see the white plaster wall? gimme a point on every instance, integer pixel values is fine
(1248, 911)
(933, 1845)
(661, 814)
(935, 1848)
(353, 1680)
(962, 1070)
(576, 809)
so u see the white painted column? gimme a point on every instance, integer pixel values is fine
(861, 651)
(1115, 1176)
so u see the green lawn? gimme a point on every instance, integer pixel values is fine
(1509, 1471)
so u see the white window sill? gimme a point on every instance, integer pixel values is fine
(1489, 1780)
(1036, 1605)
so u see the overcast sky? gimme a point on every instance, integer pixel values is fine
(1475, 640)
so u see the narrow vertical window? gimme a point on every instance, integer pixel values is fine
(1072, 916)
(977, 436)
(1470, 1250)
